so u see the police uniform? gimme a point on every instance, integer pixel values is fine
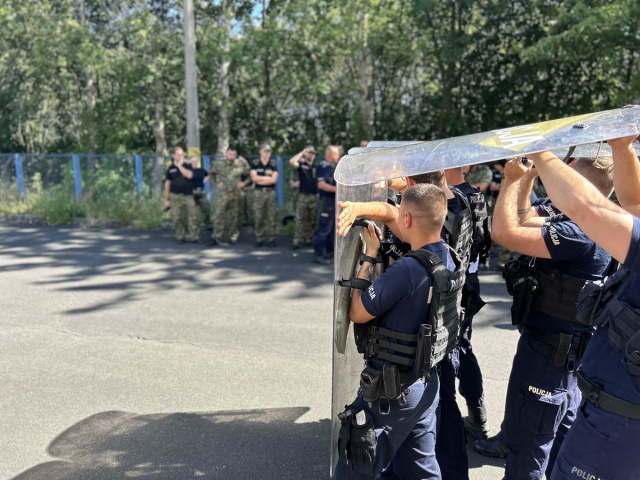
(200, 196)
(542, 395)
(265, 207)
(181, 198)
(604, 441)
(231, 198)
(451, 450)
(306, 204)
(405, 432)
(324, 241)
(469, 373)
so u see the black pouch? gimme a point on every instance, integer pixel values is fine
(370, 380)
(589, 303)
(360, 331)
(524, 294)
(391, 381)
(423, 353)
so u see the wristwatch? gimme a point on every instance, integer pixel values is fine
(367, 258)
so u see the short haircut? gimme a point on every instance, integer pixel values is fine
(436, 178)
(427, 205)
(599, 171)
(175, 150)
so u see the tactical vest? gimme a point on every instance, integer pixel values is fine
(481, 235)
(554, 293)
(601, 304)
(459, 230)
(435, 339)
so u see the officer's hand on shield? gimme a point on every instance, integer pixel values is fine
(372, 237)
(515, 169)
(621, 143)
(346, 217)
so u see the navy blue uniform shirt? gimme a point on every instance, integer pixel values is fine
(544, 207)
(324, 173)
(307, 176)
(572, 253)
(399, 296)
(198, 177)
(602, 363)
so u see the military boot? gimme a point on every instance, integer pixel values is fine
(476, 423)
(491, 447)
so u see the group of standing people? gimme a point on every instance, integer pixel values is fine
(572, 408)
(184, 190)
(314, 202)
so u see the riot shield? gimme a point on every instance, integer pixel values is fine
(362, 176)
(378, 164)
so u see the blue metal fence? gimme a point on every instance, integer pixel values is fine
(73, 172)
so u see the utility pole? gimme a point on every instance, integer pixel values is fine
(191, 85)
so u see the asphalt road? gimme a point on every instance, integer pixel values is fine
(127, 355)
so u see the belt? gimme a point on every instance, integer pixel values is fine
(567, 347)
(593, 393)
(265, 189)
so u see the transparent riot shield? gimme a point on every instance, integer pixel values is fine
(347, 362)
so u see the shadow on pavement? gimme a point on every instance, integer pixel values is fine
(134, 261)
(233, 445)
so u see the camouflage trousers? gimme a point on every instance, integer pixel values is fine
(264, 212)
(306, 217)
(230, 205)
(180, 202)
(200, 197)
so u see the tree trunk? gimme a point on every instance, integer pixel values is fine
(223, 119)
(161, 148)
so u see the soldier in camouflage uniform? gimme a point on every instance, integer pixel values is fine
(264, 175)
(179, 196)
(230, 177)
(479, 176)
(307, 197)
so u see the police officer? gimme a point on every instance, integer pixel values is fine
(604, 440)
(542, 395)
(179, 196)
(264, 175)
(469, 373)
(200, 176)
(323, 244)
(306, 199)
(391, 429)
(451, 450)
(230, 177)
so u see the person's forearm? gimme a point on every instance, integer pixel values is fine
(626, 176)
(524, 199)
(325, 187)
(167, 187)
(186, 173)
(295, 160)
(366, 272)
(398, 184)
(505, 215)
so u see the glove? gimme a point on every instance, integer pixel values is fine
(362, 444)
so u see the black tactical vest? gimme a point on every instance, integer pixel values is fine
(481, 235)
(601, 304)
(435, 339)
(459, 230)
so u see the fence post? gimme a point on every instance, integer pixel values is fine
(138, 167)
(77, 179)
(19, 174)
(280, 183)
(206, 164)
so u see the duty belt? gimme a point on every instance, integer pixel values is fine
(594, 393)
(567, 348)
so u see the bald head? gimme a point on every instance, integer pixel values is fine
(598, 171)
(332, 154)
